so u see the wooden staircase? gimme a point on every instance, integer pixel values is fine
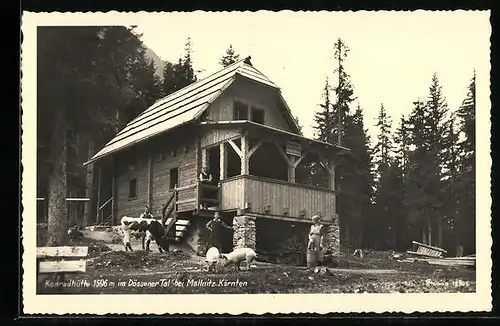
(171, 219)
(181, 227)
(176, 227)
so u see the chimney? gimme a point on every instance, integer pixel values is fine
(247, 60)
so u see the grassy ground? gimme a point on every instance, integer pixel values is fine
(114, 271)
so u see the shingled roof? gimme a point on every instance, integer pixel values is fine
(184, 106)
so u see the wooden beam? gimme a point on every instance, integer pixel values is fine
(99, 172)
(329, 166)
(63, 266)
(150, 182)
(204, 162)
(286, 218)
(113, 199)
(65, 251)
(223, 161)
(297, 162)
(236, 149)
(256, 147)
(185, 201)
(283, 154)
(332, 177)
(77, 199)
(105, 203)
(244, 155)
(291, 169)
(197, 166)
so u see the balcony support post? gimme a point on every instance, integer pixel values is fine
(244, 155)
(223, 161)
(329, 166)
(204, 158)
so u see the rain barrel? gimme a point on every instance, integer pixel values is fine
(311, 258)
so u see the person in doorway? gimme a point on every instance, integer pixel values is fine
(146, 213)
(215, 227)
(316, 235)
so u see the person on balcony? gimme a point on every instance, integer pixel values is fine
(205, 178)
(215, 227)
(316, 235)
(205, 175)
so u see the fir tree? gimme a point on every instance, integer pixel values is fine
(356, 181)
(229, 57)
(324, 119)
(384, 146)
(424, 188)
(467, 210)
(344, 90)
(181, 74)
(401, 143)
(451, 184)
(382, 224)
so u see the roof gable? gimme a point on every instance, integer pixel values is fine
(184, 106)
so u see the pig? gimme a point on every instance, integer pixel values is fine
(237, 256)
(212, 257)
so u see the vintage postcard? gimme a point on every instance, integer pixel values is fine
(256, 162)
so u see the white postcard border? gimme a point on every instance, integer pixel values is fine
(229, 303)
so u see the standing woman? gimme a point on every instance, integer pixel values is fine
(316, 235)
(215, 226)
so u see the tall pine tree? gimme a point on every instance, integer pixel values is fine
(424, 188)
(335, 124)
(383, 231)
(451, 185)
(467, 147)
(356, 181)
(344, 91)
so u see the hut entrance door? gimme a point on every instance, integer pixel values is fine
(213, 155)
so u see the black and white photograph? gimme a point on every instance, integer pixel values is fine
(256, 162)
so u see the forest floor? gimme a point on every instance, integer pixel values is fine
(112, 270)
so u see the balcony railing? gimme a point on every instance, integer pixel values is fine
(274, 197)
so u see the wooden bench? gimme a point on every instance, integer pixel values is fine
(58, 261)
(422, 249)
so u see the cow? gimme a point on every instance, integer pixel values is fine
(150, 227)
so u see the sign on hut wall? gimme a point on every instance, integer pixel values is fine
(293, 148)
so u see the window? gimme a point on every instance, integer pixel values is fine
(258, 115)
(240, 111)
(174, 177)
(132, 189)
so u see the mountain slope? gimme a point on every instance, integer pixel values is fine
(159, 63)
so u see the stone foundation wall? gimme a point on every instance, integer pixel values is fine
(332, 240)
(244, 231)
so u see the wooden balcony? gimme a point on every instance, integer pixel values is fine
(277, 198)
(189, 197)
